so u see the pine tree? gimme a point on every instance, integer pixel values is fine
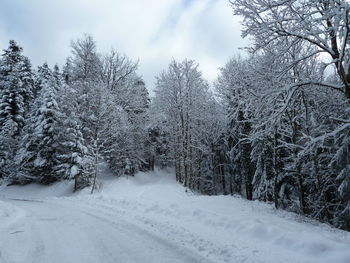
(72, 150)
(39, 156)
(16, 87)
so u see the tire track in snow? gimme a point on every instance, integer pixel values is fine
(68, 232)
(182, 253)
(166, 230)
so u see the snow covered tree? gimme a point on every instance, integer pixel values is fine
(16, 87)
(112, 104)
(322, 24)
(86, 63)
(129, 97)
(82, 74)
(72, 149)
(38, 156)
(136, 106)
(181, 97)
(236, 91)
(298, 116)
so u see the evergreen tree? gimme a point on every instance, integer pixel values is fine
(16, 87)
(72, 149)
(39, 156)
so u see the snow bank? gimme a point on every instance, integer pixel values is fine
(223, 228)
(36, 191)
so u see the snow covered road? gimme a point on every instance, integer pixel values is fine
(150, 218)
(54, 231)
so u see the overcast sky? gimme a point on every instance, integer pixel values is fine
(153, 31)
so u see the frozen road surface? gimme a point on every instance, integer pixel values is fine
(150, 218)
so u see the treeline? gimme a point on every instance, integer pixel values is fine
(274, 127)
(58, 124)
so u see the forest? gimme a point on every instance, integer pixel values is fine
(274, 126)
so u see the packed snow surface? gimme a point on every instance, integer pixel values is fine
(151, 218)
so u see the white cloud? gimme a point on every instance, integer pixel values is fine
(154, 31)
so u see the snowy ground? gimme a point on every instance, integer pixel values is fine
(150, 218)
